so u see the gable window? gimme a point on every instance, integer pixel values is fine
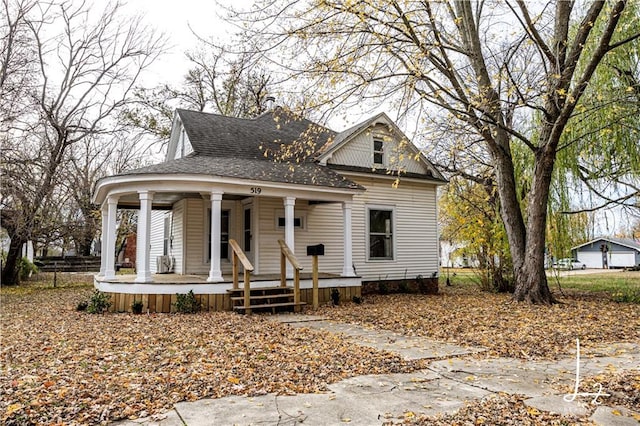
(224, 234)
(380, 227)
(378, 152)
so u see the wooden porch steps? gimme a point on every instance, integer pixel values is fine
(274, 299)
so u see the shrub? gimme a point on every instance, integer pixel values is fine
(136, 307)
(98, 303)
(27, 268)
(187, 303)
(335, 296)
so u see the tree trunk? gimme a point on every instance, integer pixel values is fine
(11, 267)
(531, 280)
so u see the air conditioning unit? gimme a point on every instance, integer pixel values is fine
(164, 264)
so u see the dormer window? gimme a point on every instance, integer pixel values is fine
(378, 152)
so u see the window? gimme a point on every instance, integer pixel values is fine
(224, 234)
(247, 229)
(380, 234)
(297, 222)
(299, 219)
(378, 152)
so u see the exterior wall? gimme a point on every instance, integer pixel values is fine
(414, 219)
(415, 229)
(359, 152)
(157, 237)
(323, 224)
(197, 233)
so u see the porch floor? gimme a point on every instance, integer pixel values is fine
(202, 279)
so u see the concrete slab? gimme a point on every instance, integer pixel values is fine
(618, 416)
(410, 348)
(230, 410)
(557, 404)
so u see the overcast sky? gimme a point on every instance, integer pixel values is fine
(174, 18)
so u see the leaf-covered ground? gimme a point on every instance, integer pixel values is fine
(503, 409)
(62, 366)
(494, 321)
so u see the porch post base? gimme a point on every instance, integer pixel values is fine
(145, 279)
(215, 278)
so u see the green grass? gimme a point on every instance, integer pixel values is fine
(44, 281)
(619, 285)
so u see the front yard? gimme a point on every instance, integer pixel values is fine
(63, 366)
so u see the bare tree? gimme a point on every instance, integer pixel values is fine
(505, 71)
(219, 81)
(87, 63)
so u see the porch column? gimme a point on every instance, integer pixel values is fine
(289, 236)
(144, 237)
(103, 241)
(110, 237)
(215, 273)
(347, 268)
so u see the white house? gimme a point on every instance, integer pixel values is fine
(256, 181)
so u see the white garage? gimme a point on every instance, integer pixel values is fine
(590, 259)
(608, 252)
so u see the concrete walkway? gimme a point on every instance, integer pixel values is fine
(452, 378)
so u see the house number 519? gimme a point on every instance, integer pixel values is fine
(256, 190)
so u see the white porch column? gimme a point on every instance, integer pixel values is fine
(289, 236)
(30, 251)
(103, 241)
(215, 273)
(110, 237)
(144, 237)
(347, 268)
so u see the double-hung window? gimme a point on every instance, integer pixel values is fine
(378, 152)
(380, 234)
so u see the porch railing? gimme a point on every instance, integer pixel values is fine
(237, 253)
(287, 255)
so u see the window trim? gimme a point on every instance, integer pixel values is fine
(394, 220)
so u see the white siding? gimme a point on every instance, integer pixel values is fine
(157, 237)
(359, 152)
(177, 231)
(322, 225)
(197, 234)
(415, 229)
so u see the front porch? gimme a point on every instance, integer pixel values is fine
(160, 294)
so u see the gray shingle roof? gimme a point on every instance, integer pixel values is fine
(220, 136)
(305, 173)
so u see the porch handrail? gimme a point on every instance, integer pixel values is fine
(287, 254)
(237, 253)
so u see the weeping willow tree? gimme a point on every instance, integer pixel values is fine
(604, 134)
